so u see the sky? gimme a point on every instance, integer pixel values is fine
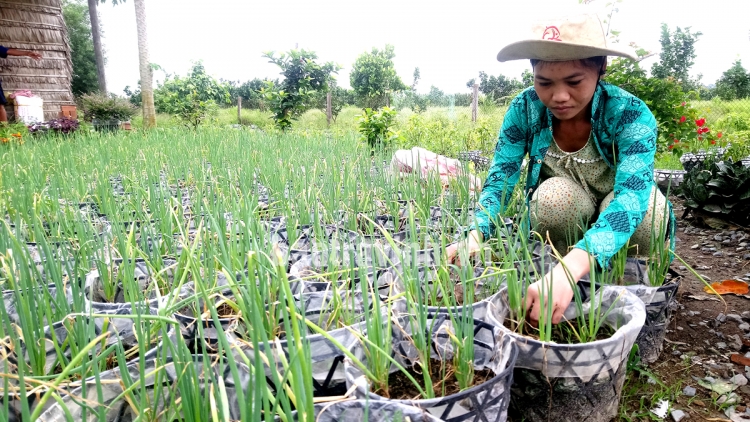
(450, 41)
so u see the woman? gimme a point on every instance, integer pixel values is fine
(591, 152)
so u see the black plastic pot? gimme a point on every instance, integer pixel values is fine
(369, 410)
(202, 369)
(660, 302)
(574, 382)
(668, 180)
(111, 125)
(484, 402)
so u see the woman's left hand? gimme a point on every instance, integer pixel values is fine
(561, 289)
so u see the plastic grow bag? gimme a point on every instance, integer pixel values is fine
(493, 350)
(49, 292)
(121, 331)
(369, 410)
(141, 274)
(660, 302)
(575, 382)
(327, 357)
(161, 396)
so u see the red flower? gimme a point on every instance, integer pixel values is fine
(703, 130)
(700, 138)
(676, 141)
(683, 104)
(713, 142)
(700, 122)
(719, 135)
(682, 119)
(671, 146)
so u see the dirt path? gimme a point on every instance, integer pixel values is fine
(704, 333)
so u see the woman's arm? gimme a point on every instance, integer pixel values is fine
(512, 146)
(24, 53)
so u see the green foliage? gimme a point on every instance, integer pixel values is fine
(527, 78)
(677, 56)
(500, 88)
(377, 127)
(446, 137)
(105, 107)
(250, 92)
(374, 79)
(303, 79)
(76, 16)
(734, 83)
(719, 187)
(193, 99)
(664, 97)
(134, 96)
(340, 98)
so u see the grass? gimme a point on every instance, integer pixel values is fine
(667, 161)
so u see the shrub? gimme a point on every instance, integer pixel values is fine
(12, 133)
(105, 107)
(193, 99)
(721, 188)
(664, 97)
(62, 126)
(377, 127)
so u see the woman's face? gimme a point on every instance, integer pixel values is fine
(566, 88)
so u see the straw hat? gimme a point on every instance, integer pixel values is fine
(562, 39)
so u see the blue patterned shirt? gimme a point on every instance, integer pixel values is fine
(625, 133)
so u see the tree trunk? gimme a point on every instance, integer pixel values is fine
(147, 89)
(98, 52)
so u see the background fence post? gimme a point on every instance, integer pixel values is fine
(239, 109)
(329, 109)
(474, 102)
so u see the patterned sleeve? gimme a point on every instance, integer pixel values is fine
(506, 167)
(635, 140)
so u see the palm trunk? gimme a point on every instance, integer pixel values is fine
(147, 89)
(94, 16)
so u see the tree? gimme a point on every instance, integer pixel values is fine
(734, 83)
(82, 53)
(194, 98)
(527, 78)
(496, 87)
(677, 56)
(146, 73)
(249, 91)
(96, 37)
(374, 78)
(436, 97)
(296, 93)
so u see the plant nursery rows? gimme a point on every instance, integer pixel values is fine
(234, 275)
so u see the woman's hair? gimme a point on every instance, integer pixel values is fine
(592, 62)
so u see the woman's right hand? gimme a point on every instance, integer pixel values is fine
(471, 245)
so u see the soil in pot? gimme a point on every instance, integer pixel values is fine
(443, 381)
(562, 333)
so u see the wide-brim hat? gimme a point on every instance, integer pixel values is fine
(563, 39)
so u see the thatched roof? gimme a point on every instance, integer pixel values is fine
(37, 25)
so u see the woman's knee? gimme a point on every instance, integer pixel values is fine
(559, 203)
